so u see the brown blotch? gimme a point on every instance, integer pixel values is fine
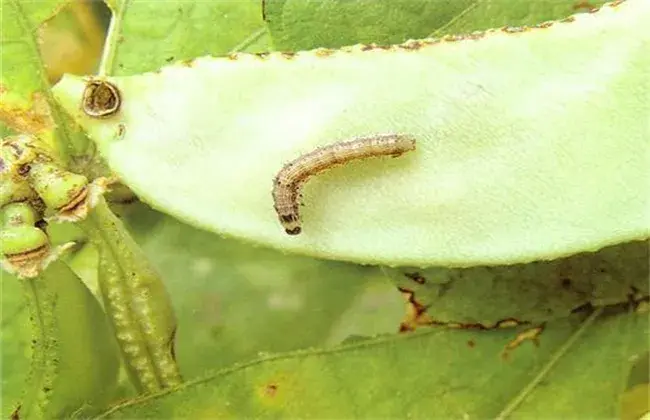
(100, 99)
(288, 55)
(471, 344)
(568, 19)
(416, 277)
(270, 390)
(24, 169)
(368, 47)
(584, 5)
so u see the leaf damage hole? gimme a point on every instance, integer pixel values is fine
(417, 316)
(100, 99)
(416, 277)
(530, 334)
(415, 312)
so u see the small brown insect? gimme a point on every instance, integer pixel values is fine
(100, 99)
(287, 183)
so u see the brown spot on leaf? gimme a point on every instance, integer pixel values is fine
(471, 344)
(24, 169)
(270, 390)
(100, 99)
(584, 5)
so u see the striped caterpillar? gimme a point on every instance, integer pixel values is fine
(288, 182)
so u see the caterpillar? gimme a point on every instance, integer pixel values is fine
(288, 182)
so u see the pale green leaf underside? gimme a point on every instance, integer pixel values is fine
(530, 146)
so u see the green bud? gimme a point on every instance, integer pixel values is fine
(58, 188)
(13, 189)
(22, 239)
(16, 214)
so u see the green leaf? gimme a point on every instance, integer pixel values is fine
(234, 302)
(532, 292)
(144, 38)
(23, 72)
(303, 25)
(15, 337)
(27, 102)
(525, 150)
(438, 374)
(74, 362)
